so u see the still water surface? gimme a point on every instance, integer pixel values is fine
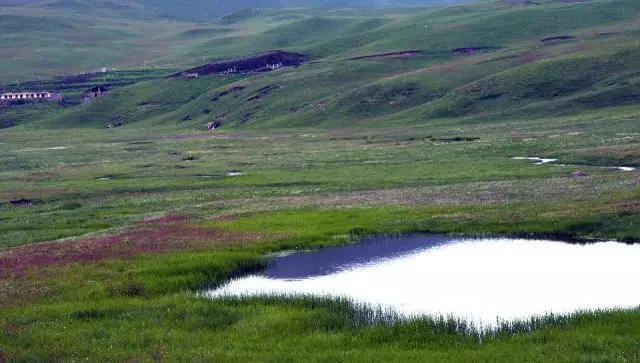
(476, 279)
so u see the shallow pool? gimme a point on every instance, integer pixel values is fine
(481, 280)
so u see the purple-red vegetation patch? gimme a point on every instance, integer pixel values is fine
(167, 233)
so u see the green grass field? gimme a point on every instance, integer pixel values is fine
(108, 235)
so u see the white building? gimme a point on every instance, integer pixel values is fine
(30, 96)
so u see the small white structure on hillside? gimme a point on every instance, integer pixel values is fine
(30, 96)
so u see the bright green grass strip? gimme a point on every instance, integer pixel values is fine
(323, 226)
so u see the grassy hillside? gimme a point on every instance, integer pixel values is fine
(489, 60)
(55, 38)
(44, 38)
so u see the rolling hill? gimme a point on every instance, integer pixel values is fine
(44, 38)
(485, 61)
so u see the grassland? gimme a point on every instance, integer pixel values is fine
(72, 37)
(114, 231)
(153, 216)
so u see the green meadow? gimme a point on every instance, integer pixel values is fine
(109, 235)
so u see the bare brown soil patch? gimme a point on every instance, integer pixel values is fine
(470, 50)
(40, 193)
(401, 54)
(226, 217)
(229, 91)
(557, 38)
(21, 202)
(521, 2)
(633, 206)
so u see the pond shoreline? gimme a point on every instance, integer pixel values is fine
(419, 275)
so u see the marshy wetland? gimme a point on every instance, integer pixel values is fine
(137, 234)
(118, 215)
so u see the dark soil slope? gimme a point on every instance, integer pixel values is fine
(256, 63)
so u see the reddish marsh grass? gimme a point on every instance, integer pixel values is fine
(166, 233)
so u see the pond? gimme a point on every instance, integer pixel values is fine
(480, 280)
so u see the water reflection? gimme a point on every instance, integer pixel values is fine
(479, 280)
(331, 260)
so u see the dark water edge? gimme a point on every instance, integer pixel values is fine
(478, 281)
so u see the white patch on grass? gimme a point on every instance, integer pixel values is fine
(624, 168)
(535, 159)
(44, 149)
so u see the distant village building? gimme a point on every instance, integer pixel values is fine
(231, 70)
(30, 96)
(95, 92)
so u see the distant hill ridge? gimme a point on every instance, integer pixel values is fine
(203, 9)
